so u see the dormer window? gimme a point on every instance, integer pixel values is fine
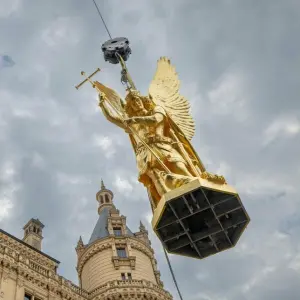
(117, 231)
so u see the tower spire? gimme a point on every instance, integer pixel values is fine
(142, 227)
(104, 197)
(102, 185)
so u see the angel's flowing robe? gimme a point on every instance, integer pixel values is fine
(151, 172)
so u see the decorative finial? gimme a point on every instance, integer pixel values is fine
(102, 185)
(142, 227)
(80, 242)
(80, 246)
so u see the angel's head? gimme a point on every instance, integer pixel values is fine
(137, 105)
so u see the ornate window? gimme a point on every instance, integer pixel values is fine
(129, 276)
(122, 256)
(123, 276)
(106, 198)
(121, 252)
(117, 231)
(30, 297)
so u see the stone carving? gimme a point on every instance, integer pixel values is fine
(5, 276)
(20, 283)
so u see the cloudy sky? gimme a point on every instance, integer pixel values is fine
(239, 66)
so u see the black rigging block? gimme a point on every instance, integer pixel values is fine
(118, 45)
(200, 219)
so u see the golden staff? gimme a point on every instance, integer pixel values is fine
(94, 84)
(87, 79)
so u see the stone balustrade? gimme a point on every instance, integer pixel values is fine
(137, 284)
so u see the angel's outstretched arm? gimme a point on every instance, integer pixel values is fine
(149, 120)
(108, 115)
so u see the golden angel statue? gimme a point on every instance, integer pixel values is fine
(165, 159)
(195, 213)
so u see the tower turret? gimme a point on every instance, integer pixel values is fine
(114, 254)
(33, 233)
(104, 198)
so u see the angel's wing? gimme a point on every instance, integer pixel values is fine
(114, 98)
(164, 89)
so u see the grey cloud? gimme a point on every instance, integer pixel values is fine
(6, 61)
(47, 126)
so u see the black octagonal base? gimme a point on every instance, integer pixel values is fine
(201, 222)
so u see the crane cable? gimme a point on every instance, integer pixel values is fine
(166, 254)
(172, 273)
(102, 19)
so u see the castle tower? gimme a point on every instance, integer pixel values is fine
(33, 233)
(117, 263)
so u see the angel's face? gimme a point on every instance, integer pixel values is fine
(137, 104)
